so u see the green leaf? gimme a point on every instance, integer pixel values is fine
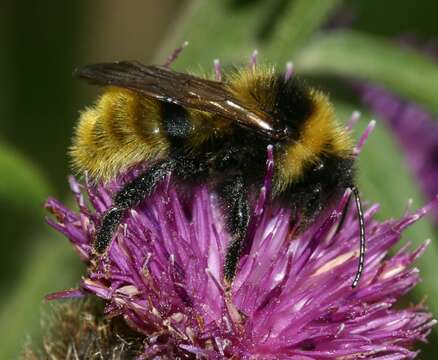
(300, 20)
(215, 29)
(357, 55)
(389, 183)
(21, 182)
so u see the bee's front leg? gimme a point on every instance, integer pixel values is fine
(127, 198)
(235, 199)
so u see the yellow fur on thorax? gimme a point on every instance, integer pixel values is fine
(247, 86)
(207, 127)
(319, 130)
(122, 129)
(253, 88)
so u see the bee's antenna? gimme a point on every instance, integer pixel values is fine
(217, 70)
(289, 70)
(360, 267)
(174, 55)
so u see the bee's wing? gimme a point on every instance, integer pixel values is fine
(179, 88)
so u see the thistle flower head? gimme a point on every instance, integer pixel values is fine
(77, 329)
(292, 295)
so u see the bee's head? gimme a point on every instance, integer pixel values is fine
(293, 105)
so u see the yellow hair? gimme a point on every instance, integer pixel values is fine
(122, 129)
(321, 135)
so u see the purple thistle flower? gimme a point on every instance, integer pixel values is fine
(292, 295)
(414, 127)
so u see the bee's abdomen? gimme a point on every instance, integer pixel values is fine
(122, 129)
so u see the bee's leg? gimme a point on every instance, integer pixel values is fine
(128, 197)
(235, 199)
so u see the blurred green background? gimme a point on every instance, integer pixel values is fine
(42, 42)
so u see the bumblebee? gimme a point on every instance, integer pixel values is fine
(216, 132)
